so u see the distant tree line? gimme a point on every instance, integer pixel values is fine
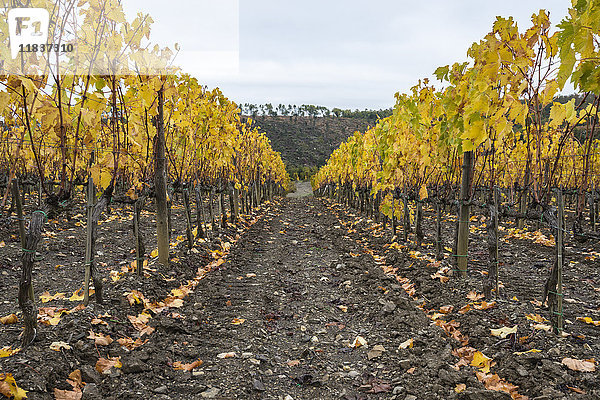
(309, 110)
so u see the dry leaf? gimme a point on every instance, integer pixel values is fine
(474, 296)
(588, 320)
(100, 339)
(9, 388)
(104, 365)
(238, 321)
(9, 319)
(177, 365)
(57, 346)
(520, 353)
(131, 344)
(377, 351)
(343, 308)
(231, 354)
(536, 318)
(504, 331)
(77, 295)
(358, 342)
(46, 297)
(293, 363)
(446, 309)
(407, 344)
(484, 305)
(461, 387)
(580, 365)
(8, 351)
(482, 362)
(411, 370)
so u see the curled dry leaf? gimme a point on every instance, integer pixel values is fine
(231, 354)
(474, 296)
(588, 320)
(504, 331)
(9, 319)
(131, 344)
(179, 366)
(58, 346)
(358, 342)
(408, 344)
(580, 365)
(8, 351)
(46, 297)
(100, 339)
(482, 362)
(461, 387)
(536, 318)
(9, 388)
(104, 365)
(446, 309)
(376, 352)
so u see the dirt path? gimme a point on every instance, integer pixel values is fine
(304, 299)
(303, 189)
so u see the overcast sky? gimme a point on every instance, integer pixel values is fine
(336, 53)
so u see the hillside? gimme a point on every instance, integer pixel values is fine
(305, 143)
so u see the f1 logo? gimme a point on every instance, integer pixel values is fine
(28, 26)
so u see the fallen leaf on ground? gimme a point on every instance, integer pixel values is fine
(504, 331)
(8, 351)
(588, 320)
(238, 321)
(484, 305)
(231, 354)
(461, 387)
(542, 327)
(482, 362)
(474, 296)
(580, 365)
(376, 351)
(77, 295)
(131, 344)
(408, 344)
(293, 363)
(358, 342)
(446, 309)
(9, 319)
(57, 346)
(520, 353)
(104, 365)
(536, 318)
(100, 339)
(9, 388)
(179, 366)
(46, 297)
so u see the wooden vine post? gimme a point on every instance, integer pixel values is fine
(160, 185)
(462, 240)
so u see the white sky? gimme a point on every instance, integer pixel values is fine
(336, 53)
